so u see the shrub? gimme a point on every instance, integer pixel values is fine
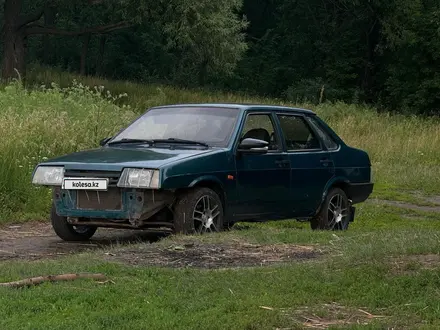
(44, 123)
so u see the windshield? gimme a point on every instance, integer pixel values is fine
(210, 125)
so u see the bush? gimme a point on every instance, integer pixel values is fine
(318, 91)
(44, 123)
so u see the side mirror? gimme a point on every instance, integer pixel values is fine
(104, 141)
(253, 146)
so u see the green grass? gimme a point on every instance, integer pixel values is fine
(357, 270)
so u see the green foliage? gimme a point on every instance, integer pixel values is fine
(44, 123)
(412, 31)
(310, 43)
(188, 41)
(208, 38)
(380, 52)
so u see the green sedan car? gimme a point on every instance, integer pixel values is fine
(195, 168)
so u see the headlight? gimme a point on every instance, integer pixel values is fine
(48, 176)
(139, 178)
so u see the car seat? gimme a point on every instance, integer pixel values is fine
(258, 133)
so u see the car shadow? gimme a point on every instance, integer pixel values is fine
(103, 239)
(125, 237)
(109, 237)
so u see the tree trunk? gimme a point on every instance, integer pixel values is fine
(203, 72)
(20, 53)
(372, 39)
(49, 21)
(13, 41)
(101, 50)
(85, 47)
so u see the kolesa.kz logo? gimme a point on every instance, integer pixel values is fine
(85, 184)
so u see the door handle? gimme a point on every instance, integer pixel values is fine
(326, 161)
(282, 162)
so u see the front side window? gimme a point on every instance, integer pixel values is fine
(260, 126)
(297, 133)
(330, 144)
(211, 125)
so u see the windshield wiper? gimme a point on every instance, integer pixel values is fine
(154, 141)
(124, 141)
(182, 141)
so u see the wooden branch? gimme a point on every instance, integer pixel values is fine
(26, 19)
(51, 278)
(38, 29)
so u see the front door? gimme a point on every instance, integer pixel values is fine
(311, 164)
(263, 180)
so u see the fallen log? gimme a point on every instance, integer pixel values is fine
(52, 278)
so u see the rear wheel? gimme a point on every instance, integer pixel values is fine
(68, 232)
(198, 211)
(335, 212)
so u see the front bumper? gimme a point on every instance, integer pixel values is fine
(129, 206)
(134, 205)
(359, 192)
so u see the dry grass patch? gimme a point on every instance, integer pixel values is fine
(407, 265)
(210, 255)
(330, 315)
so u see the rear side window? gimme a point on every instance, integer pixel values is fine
(297, 133)
(324, 136)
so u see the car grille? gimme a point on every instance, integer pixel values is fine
(113, 177)
(99, 200)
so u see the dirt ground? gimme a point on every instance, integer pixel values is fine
(231, 254)
(36, 240)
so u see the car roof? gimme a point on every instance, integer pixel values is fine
(241, 106)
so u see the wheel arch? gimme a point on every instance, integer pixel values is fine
(337, 182)
(210, 182)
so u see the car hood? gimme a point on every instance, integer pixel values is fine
(115, 159)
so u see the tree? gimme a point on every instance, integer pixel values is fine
(18, 27)
(210, 32)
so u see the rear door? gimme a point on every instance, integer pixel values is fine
(311, 163)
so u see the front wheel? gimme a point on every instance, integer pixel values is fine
(198, 211)
(69, 232)
(334, 213)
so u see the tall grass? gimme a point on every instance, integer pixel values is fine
(44, 123)
(404, 150)
(40, 122)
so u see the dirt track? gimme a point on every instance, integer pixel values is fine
(36, 240)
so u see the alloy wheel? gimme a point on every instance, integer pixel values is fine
(206, 215)
(338, 212)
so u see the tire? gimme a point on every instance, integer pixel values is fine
(199, 210)
(68, 232)
(334, 213)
